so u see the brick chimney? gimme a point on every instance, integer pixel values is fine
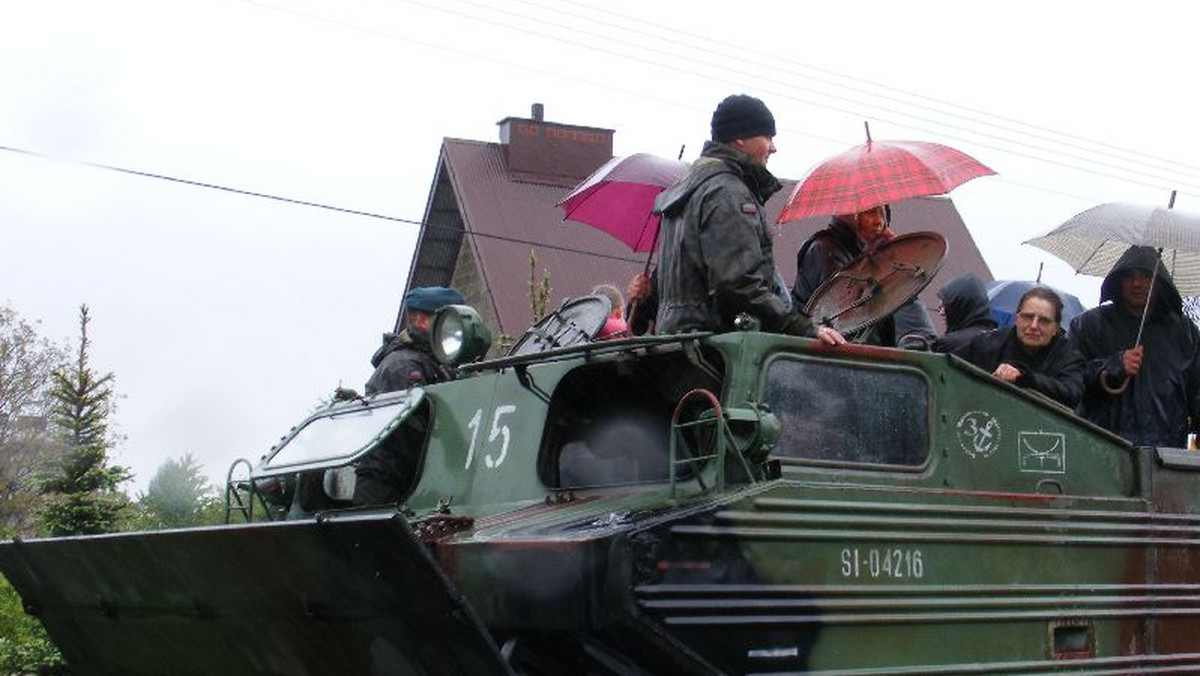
(548, 152)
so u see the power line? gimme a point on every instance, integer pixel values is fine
(1164, 181)
(723, 65)
(664, 34)
(491, 59)
(317, 205)
(659, 37)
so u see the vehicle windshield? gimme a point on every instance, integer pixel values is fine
(340, 435)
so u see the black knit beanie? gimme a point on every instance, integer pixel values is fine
(741, 116)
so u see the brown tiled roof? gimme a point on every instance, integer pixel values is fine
(505, 217)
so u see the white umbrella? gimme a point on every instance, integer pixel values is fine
(1093, 240)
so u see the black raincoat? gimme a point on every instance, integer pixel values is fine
(1056, 370)
(1155, 407)
(714, 248)
(968, 312)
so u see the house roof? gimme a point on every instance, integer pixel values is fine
(483, 220)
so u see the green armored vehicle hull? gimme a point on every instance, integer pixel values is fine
(736, 503)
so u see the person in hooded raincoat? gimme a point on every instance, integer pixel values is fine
(967, 311)
(1033, 353)
(1163, 372)
(714, 248)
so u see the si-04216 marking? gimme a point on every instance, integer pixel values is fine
(891, 563)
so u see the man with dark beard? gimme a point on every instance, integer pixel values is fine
(1146, 392)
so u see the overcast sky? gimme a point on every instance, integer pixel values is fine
(226, 316)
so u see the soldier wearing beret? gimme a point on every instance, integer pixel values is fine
(406, 359)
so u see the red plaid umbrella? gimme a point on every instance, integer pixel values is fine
(618, 198)
(879, 172)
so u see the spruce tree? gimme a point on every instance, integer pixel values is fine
(81, 486)
(179, 494)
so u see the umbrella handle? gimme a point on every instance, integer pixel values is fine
(1141, 325)
(1110, 388)
(1149, 295)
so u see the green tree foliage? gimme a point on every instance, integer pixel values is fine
(180, 495)
(81, 487)
(24, 646)
(26, 364)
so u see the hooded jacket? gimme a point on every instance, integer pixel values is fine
(715, 253)
(1056, 370)
(402, 361)
(968, 312)
(1154, 408)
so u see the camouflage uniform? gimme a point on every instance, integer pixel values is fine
(715, 249)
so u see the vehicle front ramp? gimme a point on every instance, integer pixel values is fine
(347, 595)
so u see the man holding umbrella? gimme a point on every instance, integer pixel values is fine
(715, 252)
(1143, 390)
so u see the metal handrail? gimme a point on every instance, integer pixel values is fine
(233, 495)
(718, 419)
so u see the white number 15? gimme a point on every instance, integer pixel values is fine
(497, 430)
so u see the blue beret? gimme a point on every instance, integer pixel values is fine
(431, 298)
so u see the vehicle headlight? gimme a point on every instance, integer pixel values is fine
(459, 335)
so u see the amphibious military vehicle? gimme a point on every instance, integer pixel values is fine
(684, 504)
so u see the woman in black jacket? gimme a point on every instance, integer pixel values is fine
(1033, 353)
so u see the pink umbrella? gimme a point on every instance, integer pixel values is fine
(618, 198)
